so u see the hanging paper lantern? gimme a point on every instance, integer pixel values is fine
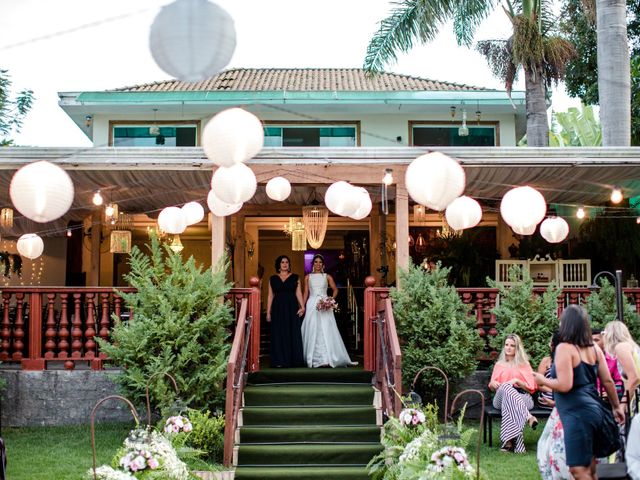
(278, 189)
(30, 246)
(220, 208)
(232, 136)
(365, 204)
(554, 229)
(342, 198)
(192, 39)
(193, 212)
(41, 191)
(235, 184)
(172, 220)
(463, 212)
(523, 208)
(435, 180)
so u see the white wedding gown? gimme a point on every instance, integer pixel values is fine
(321, 339)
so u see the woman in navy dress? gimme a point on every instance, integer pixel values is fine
(285, 310)
(589, 431)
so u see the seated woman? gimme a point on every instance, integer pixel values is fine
(545, 398)
(513, 383)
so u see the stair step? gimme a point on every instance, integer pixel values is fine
(302, 473)
(290, 416)
(313, 433)
(308, 394)
(308, 454)
(310, 375)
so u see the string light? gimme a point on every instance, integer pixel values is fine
(616, 195)
(69, 232)
(387, 179)
(97, 198)
(638, 220)
(580, 213)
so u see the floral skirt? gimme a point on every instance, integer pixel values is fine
(551, 456)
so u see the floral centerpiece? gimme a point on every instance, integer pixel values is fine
(177, 424)
(449, 458)
(326, 303)
(411, 417)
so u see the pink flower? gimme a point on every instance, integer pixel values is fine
(153, 463)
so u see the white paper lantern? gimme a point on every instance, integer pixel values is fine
(41, 191)
(523, 208)
(554, 229)
(342, 199)
(463, 212)
(220, 208)
(365, 204)
(232, 136)
(172, 220)
(235, 184)
(435, 180)
(193, 213)
(192, 39)
(30, 246)
(278, 189)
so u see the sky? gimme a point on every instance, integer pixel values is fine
(93, 45)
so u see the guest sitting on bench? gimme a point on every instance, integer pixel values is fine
(513, 383)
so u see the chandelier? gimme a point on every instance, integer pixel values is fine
(445, 231)
(315, 224)
(295, 229)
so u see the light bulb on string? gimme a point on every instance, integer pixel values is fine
(580, 213)
(616, 195)
(387, 179)
(69, 232)
(638, 220)
(97, 198)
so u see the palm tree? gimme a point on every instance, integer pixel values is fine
(614, 77)
(532, 46)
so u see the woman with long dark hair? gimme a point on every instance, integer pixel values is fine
(589, 430)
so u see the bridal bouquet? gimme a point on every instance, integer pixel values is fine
(326, 303)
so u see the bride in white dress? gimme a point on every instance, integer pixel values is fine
(321, 340)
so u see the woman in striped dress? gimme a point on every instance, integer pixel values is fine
(513, 383)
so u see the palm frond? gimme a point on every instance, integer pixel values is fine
(499, 57)
(558, 52)
(549, 21)
(468, 16)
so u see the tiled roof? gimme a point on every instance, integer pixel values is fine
(303, 79)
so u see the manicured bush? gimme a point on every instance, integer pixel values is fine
(602, 309)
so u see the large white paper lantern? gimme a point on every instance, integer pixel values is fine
(235, 184)
(342, 198)
(554, 229)
(365, 204)
(220, 208)
(41, 191)
(193, 212)
(192, 39)
(30, 246)
(232, 136)
(172, 220)
(435, 180)
(522, 208)
(463, 212)
(278, 189)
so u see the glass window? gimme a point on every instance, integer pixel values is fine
(447, 136)
(155, 136)
(310, 136)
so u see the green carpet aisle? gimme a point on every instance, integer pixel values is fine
(302, 423)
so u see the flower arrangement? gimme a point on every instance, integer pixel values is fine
(450, 457)
(326, 303)
(411, 417)
(177, 424)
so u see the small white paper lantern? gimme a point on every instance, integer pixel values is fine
(41, 191)
(235, 184)
(30, 246)
(554, 229)
(192, 39)
(523, 208)
(172, 220)
(193, 213)
(342, 198)
(220, 208)
(232, 136)
(365, 204)
(435, 180)
(278, 189)
(463, 212)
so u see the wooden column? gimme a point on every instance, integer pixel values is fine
(402, 228)
(375, 260)
(239, 251)
(217, 239)
(96, 236)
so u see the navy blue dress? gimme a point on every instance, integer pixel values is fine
(583, 416)
(286, 336)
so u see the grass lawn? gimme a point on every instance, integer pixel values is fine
(64, 453)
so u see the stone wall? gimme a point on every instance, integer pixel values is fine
(58, 397)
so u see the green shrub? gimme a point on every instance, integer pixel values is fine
(533, 317)
(434, 326)
(179, 327)
(207, 434)
(601, 306)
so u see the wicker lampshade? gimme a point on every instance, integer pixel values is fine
(6, 217)
(120, 241)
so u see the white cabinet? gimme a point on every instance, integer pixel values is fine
(543, 271)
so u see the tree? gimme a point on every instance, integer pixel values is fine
(577, 127)
(12, 110)
(533, 46)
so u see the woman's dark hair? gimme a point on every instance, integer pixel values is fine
(279, 259)
(317, 255)
(555, 341)
(574, 327)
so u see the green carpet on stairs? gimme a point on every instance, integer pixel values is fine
(310, 375)
(310, 433)
(339, 415)
(301, 473)
(308, 454)
(305, 394)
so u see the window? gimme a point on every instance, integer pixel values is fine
(313, 135)
(444, 135)
(154, 135)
